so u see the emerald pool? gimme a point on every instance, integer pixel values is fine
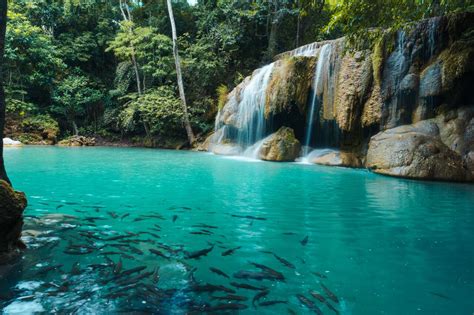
(380, 245)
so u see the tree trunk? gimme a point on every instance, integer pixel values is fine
(298, 23)
(272, 38)
(187, 124)
(3, 27)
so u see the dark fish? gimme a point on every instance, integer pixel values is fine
(317, 296)
(118, 266)
(124, 216)
(231, 251)
(304, 241)
(289, 233)
(269, 303)
(158, 253)
(230, 297)
(78, 252)
(156, 275)
(440, 295)
(252, 275)
(219, 272)
(134, 279)
(45, 270)
(328, 292)
(138, 219)
(197, 254)
(248, 217)
(320, 275)
(118, 237)
(284, 262)
(133, 270)
(331, 307)
(275, 274)
(175, 217)
(136, 250)
(60, 206)
(309, 304)
(259, 295)
(206, 226)
(199, 233)
(246, 286)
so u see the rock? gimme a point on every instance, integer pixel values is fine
(415, 151)
(11, 143)
(409, 83)
(12, 204)
(430, 81)
(334, 158)
(77, 141)
(280, 146)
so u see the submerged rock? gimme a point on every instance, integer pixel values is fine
(334, 158)
(226, 149)
(280, 146)
(12, 204)
(415, 151)
(77, 141)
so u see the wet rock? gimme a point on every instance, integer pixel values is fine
(12, 204)
(336, 158)
(415, 151)
(280, 146)
(77, 141)
(430, 81)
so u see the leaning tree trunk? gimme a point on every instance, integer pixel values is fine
(3, 27)
(187, 124)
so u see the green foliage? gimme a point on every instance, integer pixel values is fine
(40, 122)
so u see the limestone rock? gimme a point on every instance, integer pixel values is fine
(77, 141)
(335, 158)
(415, 151)
(280, 146)
(12, 204)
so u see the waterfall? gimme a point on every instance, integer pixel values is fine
(322, 68)
(251, 113)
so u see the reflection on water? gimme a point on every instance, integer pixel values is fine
(114, 230)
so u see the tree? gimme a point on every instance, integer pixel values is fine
(187, 124)
(3, 27)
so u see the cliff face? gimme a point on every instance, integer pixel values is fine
(420, 78)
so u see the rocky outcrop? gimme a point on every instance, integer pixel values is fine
(281, 146)
(352, 101)
(12, 204)
(415, 151)
(77, 141)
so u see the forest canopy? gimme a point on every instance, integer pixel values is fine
(97, 71)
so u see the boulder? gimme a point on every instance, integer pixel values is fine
(334, 158)
(415, 151)
(77, 141)
(12, 204)
(280, 146)
(11, 143)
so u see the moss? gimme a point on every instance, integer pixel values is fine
(289, 85)
(222, 93)
(457, 61)
(384, 46)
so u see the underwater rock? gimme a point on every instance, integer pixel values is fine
(12, 204)
(77, 141)
(415, 151)
(226, 149)
(280, 146)
(335, 158)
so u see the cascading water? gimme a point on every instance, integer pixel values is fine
(322, 68)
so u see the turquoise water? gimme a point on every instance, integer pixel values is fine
(381, 245)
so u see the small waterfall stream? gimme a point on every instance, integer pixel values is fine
(322, 68)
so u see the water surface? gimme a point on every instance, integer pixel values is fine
(381, 245)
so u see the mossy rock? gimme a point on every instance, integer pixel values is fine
(289, 85)
(282, 146)
(12, 204)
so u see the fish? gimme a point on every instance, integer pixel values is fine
(259, 276)
(317, 296)
(284, 262)
(112, 214)
(60, 206)
(304, 241)
(230, 251)
(440, 295)
(269, 303)
(118, 237)
(134, 279)
(309, 304)
(158, 253)
(331, 295)
(156, 275)
(124, 216)
(197, 254)
(219, 272)
(230, 297)
(259, 295)
(45, 270)
(331, 307)
(320, 275)
(175, 217)
(206, 226)
(133, 270)
(248, 217)
(247, 286)
(136, 250)
(138, 219)
(118, 266)
(275, 274)
(78, 252)
(199, 233)
(289, 233)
